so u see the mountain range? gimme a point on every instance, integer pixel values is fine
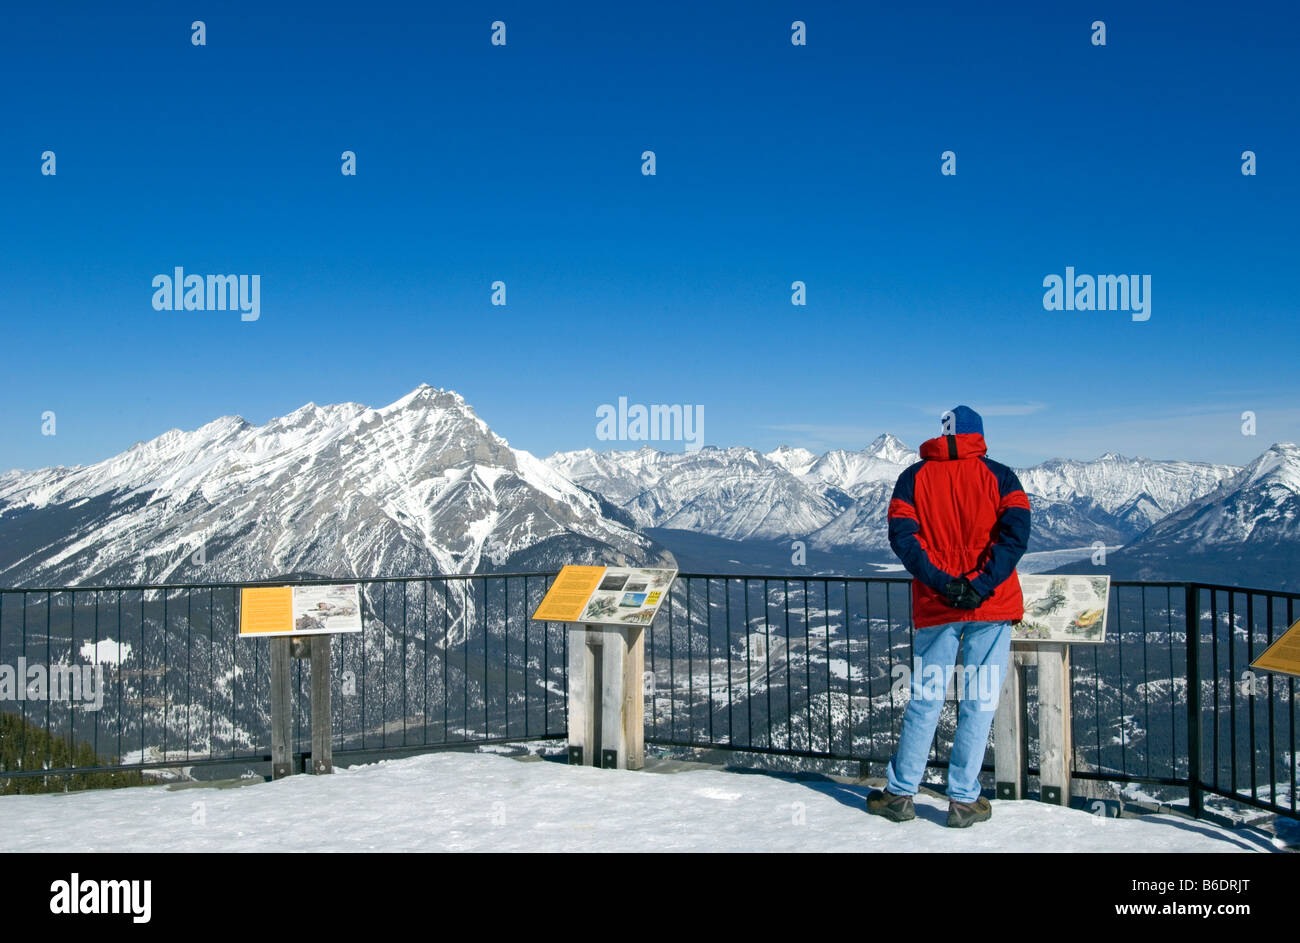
(419, 486)
(424, 486)
(838, 501)
(1244, 533)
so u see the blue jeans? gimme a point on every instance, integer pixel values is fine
(985, 647)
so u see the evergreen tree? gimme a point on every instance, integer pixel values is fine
(26, 746)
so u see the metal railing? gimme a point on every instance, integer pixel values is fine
(442, 661)
(790, 670)
(813, 667)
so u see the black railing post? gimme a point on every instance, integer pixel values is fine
(1192, 616)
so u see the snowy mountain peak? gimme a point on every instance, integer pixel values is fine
(852, 472)
(794, 460)
(890, 448)
(1247, 528)
(420, 485)
(427, 397)
(838, 499)
(1280, 464)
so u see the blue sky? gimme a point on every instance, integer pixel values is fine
(775, 163)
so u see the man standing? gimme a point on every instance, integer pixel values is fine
(959, 521)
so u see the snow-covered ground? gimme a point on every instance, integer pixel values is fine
(484, 802)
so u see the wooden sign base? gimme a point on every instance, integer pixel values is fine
(283, 650)
(606, 702)
(1010, 727)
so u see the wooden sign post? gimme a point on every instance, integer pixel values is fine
(283, 650)
(1059, 610)
(607, 610)
(281, 716)
(299, 621)
(1010, 725)
(1010, 728)
(322, 741)
(1054, 746)
(606, 702)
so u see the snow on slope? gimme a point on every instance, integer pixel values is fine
(1139, 487)
(1262, 499)
(881, 461)
(420, 485)
(794, 460)
(737, 493)
(838, 500)
(1253, 517)
(480, 802)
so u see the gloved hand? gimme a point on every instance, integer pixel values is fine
(962, 595)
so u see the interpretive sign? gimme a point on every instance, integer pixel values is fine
(606, 595)
(300, 610)
(1283, 655)
(607, 609)
(1063, 608)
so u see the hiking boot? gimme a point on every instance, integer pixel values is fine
(895, 808)
(966, 814)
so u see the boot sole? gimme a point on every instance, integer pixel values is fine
(891, 815)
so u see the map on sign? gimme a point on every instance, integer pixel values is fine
(1063, 608)
(1283, 655)
(606, 595)
(300, 610)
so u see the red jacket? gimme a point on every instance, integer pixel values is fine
(959, 513)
